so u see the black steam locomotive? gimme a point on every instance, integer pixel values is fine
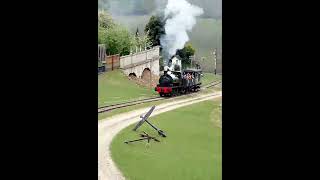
(179, 82)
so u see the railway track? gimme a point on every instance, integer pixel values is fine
(214, 83)
(136, 102)
(126, 104)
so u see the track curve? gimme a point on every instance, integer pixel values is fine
(141, 101)
(109, 127)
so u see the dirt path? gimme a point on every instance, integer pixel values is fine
(109, 127)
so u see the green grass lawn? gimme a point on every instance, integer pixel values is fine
(209, 78)
(115, 87)
(149, 104)
(191, 150)
(127, 109)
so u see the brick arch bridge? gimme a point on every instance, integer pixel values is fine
(142, 63)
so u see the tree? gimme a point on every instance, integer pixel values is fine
(116, 37)
(155, 27)
(142, 41)
(101, 35)
(105, 20)
(118, 40)
(185, 54)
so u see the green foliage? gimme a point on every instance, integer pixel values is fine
(141, 41)
(185, 54)
(202, 39)
(105, 20)
(102, 33)
(205, 36)
(118, 40)
(155, 27)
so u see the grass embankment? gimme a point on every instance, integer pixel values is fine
(209, 78)
(115, 87)
(191, 150)
(131, 108)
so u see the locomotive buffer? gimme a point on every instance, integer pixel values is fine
(144, 119)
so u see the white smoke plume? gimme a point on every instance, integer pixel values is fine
(181, 17)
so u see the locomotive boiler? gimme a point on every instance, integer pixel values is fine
(175, 81)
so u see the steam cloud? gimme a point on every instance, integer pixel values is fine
(181, 17)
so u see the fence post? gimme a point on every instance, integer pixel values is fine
(107, 66)
(151, 72)
(112, 62)
(215, 61)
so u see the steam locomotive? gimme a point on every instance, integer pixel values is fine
(175, 81)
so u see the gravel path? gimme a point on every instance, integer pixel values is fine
(109, 127)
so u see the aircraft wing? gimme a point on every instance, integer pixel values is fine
(144, 118)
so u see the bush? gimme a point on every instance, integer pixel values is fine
(185, 54)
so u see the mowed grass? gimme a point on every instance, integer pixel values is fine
(149, 104)
(209, 78)
(115, 87)
(191, 150)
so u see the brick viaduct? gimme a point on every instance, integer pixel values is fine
(141, 63)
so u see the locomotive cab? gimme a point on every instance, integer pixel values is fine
(175, 80)
(192, 79)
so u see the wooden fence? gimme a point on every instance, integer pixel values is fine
(112, 62)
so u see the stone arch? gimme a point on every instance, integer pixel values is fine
(146, 74)
(132, 75)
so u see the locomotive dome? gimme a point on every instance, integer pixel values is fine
(176, 80)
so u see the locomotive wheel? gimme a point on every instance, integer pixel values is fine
(178, 93)
(173, 93)
(161, 94)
